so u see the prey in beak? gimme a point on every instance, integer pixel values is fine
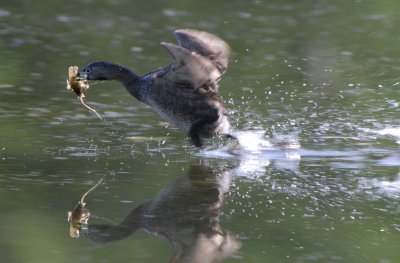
(77, 81)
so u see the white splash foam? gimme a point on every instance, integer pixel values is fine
(391, 131)
(256, 152)
(389, 188)
(395, 132)
(253, 141)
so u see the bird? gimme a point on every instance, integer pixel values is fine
(186, 92)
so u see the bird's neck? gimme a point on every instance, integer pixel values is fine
(128, 79)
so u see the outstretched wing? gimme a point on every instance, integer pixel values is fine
(205, 44)
(200, 59)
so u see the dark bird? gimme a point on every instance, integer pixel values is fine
(184, 93)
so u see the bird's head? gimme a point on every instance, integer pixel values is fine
(98, 70)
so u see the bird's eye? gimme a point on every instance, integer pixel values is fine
(87, 70)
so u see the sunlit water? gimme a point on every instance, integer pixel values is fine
(313, 91)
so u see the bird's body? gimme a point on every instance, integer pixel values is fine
(184, 107)
(184, 93)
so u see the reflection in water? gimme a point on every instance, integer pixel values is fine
(80, 214)
(186, 212)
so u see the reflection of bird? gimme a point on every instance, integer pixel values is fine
(185, 92)
(186, 212)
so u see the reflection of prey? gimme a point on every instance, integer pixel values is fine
(186, 212)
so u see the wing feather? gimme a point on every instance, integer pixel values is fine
(200, 59)
(205, 44)
(190, 68)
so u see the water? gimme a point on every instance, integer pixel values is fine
(313, 90)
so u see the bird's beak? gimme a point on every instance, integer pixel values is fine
(81, 75)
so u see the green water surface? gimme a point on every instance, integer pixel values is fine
(313, 90)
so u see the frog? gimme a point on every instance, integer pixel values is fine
(79, 87)
(75, 84)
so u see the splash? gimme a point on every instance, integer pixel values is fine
(256, 152)
(385, 187)
(253, 141)
(395, 132)
(250, 142)
(391, 131)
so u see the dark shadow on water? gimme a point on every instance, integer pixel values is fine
(186, 212)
